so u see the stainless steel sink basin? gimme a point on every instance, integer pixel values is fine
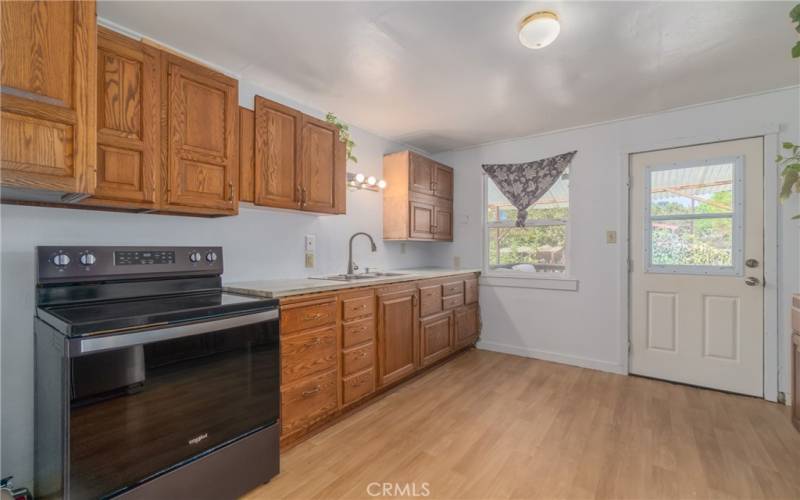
(354, 277)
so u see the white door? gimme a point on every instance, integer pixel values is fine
(697, 246)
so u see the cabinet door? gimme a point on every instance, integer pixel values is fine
(128, 125)
(421, 174)
(322, 161)
(47, 79)
(247, 132)
(443, 229)
(277, 162)
(398, 339)
(467, 325)
(421, 220)
(436, 337)
(202, 122)
(443, 182)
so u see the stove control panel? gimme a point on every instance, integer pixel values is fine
(72, 263)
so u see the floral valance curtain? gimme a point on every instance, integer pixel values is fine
(524, 183)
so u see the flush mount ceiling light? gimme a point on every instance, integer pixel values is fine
(539, 29)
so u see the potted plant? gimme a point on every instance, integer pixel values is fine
(344, 135)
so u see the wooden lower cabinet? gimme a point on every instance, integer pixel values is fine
(796, 361)
(338, 349)
(436, 337)
(398, 340)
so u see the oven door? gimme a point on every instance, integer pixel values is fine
(145, 402)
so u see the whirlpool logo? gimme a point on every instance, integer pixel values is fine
(399, 489)
(199, 438)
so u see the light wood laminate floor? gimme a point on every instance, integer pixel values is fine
(489, 425)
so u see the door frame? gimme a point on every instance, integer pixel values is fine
(770, 134)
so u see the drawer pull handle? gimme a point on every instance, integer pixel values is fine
(312, 317)
(311, 392)
(362, 354)
(359, 383)
(312, 343)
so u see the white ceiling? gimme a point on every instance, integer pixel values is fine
(446, 75)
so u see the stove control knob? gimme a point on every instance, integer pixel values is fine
(195, 256)
(211, 256)
(61, 260)
(88, 259)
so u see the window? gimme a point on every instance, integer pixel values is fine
(540, 246)
(694, 217)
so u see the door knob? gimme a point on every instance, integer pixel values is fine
(751, 263)
(751, 281)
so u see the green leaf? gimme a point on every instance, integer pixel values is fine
(789, 179)
(795, 13)
(796, 50)
(796, 217)
(778, 159)
(794, 167)
(788, 145)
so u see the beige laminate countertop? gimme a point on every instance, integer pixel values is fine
(287, 287)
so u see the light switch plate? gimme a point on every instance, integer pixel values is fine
(611, 237)
(311, 243)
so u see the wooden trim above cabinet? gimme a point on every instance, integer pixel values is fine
(246, 154)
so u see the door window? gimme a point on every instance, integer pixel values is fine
(693, 217)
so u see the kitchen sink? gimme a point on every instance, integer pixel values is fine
(355, 277)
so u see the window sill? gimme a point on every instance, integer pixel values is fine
(520, 280)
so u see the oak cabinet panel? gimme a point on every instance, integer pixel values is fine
(47, 79)
(418, 199)
(422, 220)
(430, 299)
(307, 353)
(436, 337)
(470, 290)
(277, 164)
(246, 154)
(422, 175)
(128, 124)
(322, 162)
(202, 127)
(358, 359)
(358, 332)
(308, 401)
(467, 325)
(356, 387)
(311, 314)
(398, 340)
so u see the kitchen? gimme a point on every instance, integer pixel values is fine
(262, 241)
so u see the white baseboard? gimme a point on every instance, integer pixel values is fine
(566, 359)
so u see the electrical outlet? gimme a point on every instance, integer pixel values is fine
(309, 260)
(611, 237)
(311, 243)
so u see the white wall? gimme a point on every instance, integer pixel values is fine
(584, 327)
(258, 244)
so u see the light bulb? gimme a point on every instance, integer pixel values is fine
(381, 183)
(371, 180)
(359, 178)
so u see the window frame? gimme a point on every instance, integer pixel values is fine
(737, 220)
(536, 275)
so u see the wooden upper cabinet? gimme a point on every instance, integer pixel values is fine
(277, 167)
(443, 182)
(202, 110)
(128, 124)
(398, 337)
(418, 199)
(422, 173)
(322, 162)
(48, 65)
(299, 161)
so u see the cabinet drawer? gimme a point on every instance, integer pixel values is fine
(453, 288)
(307, 353)
(452, 302)
(430, 300)
(470, 290)
(358, 358)
(358, 307)
(310, 315)
(358, 332)
(307, 402)
(357, 386)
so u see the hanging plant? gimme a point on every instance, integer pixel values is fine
(344, 135)
(791, 171)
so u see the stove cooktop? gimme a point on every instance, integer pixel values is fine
(92, 318)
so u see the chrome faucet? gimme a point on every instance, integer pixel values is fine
(351, 266)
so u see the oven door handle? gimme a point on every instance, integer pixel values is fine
(79, 347)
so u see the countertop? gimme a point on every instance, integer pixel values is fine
(278, 288)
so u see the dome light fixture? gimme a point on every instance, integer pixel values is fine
(540, 29)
